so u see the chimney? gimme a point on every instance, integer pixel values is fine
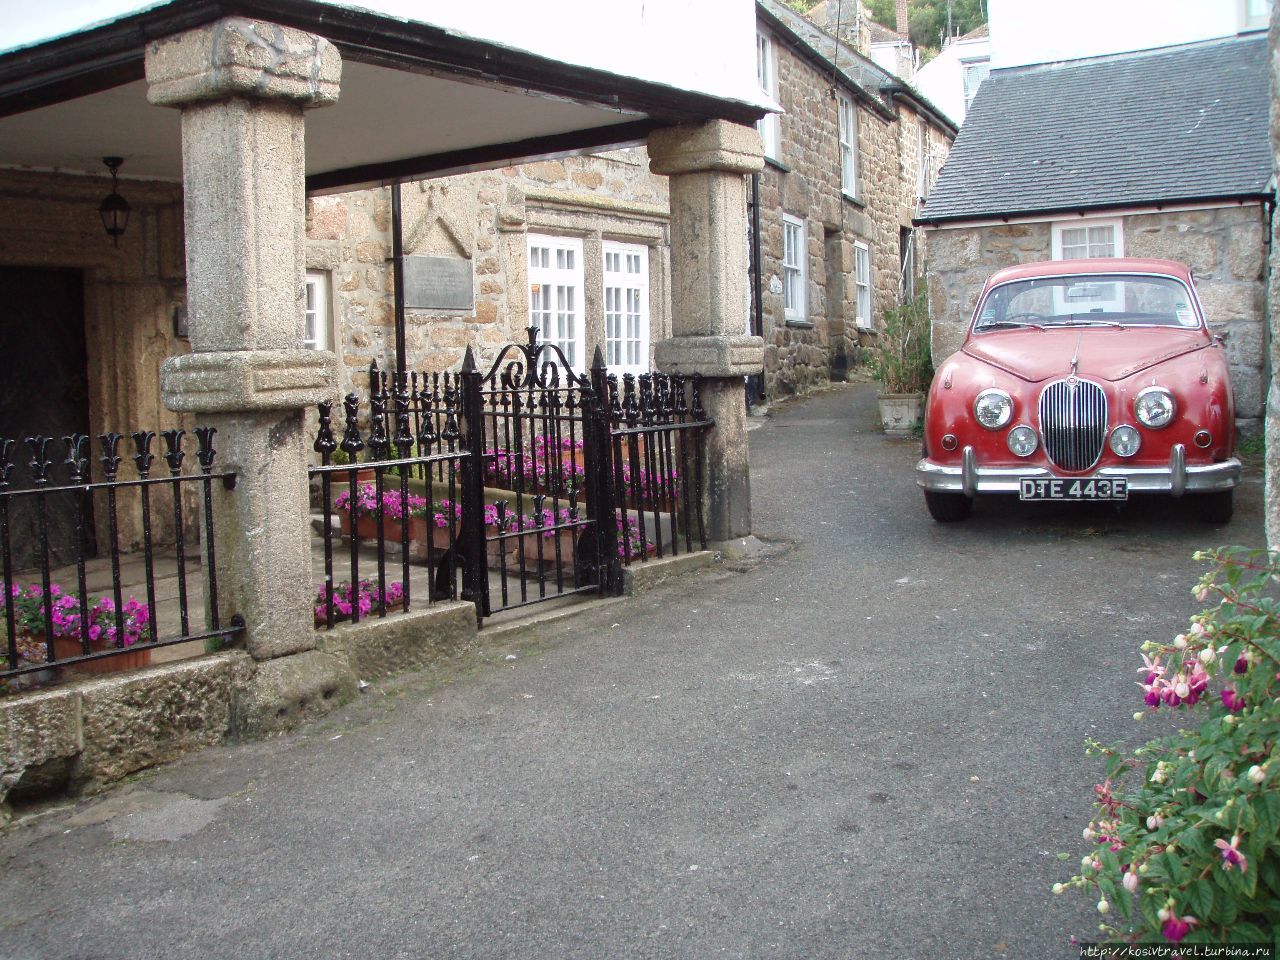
(902, 17)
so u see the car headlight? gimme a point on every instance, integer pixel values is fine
(1154, 407)
(993, 408)
(1125, 440)
(1023, 441)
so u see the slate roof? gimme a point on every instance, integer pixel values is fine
(1184, 123)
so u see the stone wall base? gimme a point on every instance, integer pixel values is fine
(420, 638)
(652, 573)
(79, 737)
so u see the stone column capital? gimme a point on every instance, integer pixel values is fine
(247, 380)
(696, 148)
(238, 57)
(714, 356)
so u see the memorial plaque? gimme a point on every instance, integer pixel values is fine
(438, 283)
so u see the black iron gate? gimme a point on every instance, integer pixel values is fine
(535, 485)
(526, 482)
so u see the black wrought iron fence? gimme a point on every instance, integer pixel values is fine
(657, 435)
(403, 493)
(510, 486)
(54, 514)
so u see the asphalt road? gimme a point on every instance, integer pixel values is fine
(867, 746)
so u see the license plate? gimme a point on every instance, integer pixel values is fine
(1051, 488)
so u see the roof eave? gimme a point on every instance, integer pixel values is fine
(1084, 209)
(113, 54)
(817, 58)
(898, 90)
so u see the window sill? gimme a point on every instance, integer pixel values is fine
(864, 328)
(856, 201)
(799, 324)
(777, 164)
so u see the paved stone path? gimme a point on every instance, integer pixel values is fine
(867, 746)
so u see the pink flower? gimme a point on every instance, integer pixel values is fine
(1232, 700)
(1175, 928)
(1231, 855)
(1130, 880)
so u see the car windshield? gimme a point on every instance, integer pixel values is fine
(1094, 299)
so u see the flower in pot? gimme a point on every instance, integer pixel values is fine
(106, 630)
(363, 598)
(902, 364)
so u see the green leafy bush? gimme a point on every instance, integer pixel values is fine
(1186, 839)
(901, 360)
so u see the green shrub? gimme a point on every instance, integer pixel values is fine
(1185, 846)
(901, 360)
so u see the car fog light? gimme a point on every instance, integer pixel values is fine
(1203, 439)
(993, 408)
(1154, 407)
(1023, 441)
(1125, 441)
(949, 442)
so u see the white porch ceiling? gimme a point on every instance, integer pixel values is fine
(382, 115)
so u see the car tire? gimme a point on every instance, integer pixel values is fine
(948, 507)
(1216, 508)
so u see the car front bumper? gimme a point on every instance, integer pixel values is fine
(970, 478)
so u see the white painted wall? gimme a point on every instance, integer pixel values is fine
(941, 80)
(1043, 31)
(707, 46)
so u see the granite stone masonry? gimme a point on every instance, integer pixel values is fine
(483, 220)
(900, 146)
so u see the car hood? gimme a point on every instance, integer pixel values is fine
(1107, 353)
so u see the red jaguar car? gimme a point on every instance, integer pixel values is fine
(1083, 380)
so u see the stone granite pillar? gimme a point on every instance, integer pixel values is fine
(242, 87)
(710, 298)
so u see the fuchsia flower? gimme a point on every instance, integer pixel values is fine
(1231, 855)
(1175, 928)
(1232, 700)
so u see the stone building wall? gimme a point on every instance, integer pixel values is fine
(1224, 247)
(800, 356)
(130, 295)
(485, 219)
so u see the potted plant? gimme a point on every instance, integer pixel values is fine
(901, 363)
(65, 614)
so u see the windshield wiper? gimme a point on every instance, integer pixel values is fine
(1008, 323)
(1087, 322)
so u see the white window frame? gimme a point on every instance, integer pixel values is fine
(767, 76)
(922, 159)
(968, 69)
(626, 306)
(795, 273)
(317, 308)
(1251, 18)
(862, 285)
(847, 119)
(556, 304)
(1059, 251)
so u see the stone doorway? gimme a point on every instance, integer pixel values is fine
(44, 391)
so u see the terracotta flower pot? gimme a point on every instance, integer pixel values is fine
(136, 658)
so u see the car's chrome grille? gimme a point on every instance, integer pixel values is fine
(1073, 423)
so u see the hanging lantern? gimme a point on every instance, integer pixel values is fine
(114, 209)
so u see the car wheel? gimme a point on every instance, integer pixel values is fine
(948, 507)
(1216, 508)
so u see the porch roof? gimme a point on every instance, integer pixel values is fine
(418, 99)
